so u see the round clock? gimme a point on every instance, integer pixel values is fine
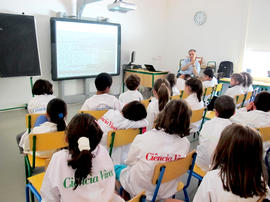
(200, 17)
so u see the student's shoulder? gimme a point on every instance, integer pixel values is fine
(45, 127)
(60, 156)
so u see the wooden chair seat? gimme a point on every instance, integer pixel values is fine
(180, 186)
(146, 102)
(198, 170)
(139, 197)
(36, 181)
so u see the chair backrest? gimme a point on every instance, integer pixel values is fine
(173, 169)
(97, 114)
(146, 102)
(183, 95)
(197, 115)
(139, 197)
(218, 88)
(239, 99)
(208, 92)
(48, 141)
(248, 96)
(211, 64)
(175, 97)
(265, 133)
(30, 120)
(117, 138)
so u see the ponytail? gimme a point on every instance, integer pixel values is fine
(247, 79)
(239, 78)
(163, 96)
(57, 110)
(162, 87)
(195, 87)
(83, 135)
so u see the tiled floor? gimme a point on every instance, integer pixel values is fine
(12, 177)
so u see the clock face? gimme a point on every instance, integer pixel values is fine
(200, 17)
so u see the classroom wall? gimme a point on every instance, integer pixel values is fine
(221, 38)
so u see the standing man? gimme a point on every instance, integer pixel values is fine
(190, 65)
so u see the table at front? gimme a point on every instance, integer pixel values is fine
(256, 84)
(147, 78)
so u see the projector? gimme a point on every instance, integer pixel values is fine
(122, 7)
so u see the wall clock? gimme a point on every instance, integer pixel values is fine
(200, 17)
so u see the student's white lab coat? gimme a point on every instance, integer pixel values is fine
(101, 102)
(58, 182)
(152, 112)
(38, 104)
(254, 118)
(208, 139)
(113, 120)
(45, 127)
(180, 83)
(212, 83)
(175, 91)
(194, 104)
(146, 151)
(211, 190)
(248, 89)
(234, 91)
(129, 96)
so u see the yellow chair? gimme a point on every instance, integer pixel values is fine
(96, 114)
(165, 172)
(43, 142)
(34, 185)
(248, 96)
(197, 115)
(117, 138)
(139, 197)
(239, 100)
(30, 120)
(198, 173)
(218, 89)
(176, 97)
(146, 102)
(183, 95)
(208, 92)
(265, 133)
(209, 115)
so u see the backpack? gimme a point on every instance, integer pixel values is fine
(225, 69)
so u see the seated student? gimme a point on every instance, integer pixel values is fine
(248, 80)
(132, 115)
(209, 136)
(102, 100)
(236, 87)
(238, 171)
(167, 142)
(172, 80)
(132, 83)
(161, 97)
(256, 114)
(56, 113)
(42, 91)
(208, 78)
(193, 89)
(181, 80)
(84, 171)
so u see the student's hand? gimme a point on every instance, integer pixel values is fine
(250, 106)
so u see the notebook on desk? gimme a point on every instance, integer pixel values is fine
(150, 68)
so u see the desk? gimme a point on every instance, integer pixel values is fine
(147, 78)
(256, 84)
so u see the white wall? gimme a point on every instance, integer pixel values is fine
(221, 38)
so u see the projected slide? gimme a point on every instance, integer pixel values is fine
(86, 49)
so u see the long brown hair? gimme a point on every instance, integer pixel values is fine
(239, 156)
(195, 87)
(162, 87)
(174, 118)
(82, 125)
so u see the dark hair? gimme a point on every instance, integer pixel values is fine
(134, 111)
(248, 80)
(187, 76)
(239, 156)
(42, 87)
(238, 77)
(162, 87)
(225, 106)
(195, 87)
(82, 125)
(262, 101)
(209, 72)
(103, 81)
(174, 118)
(172, 79)
(57, 110)
(133, 81)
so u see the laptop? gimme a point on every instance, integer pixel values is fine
(150, 68)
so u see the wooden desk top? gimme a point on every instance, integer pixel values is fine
(255, 82)
(145, 71)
